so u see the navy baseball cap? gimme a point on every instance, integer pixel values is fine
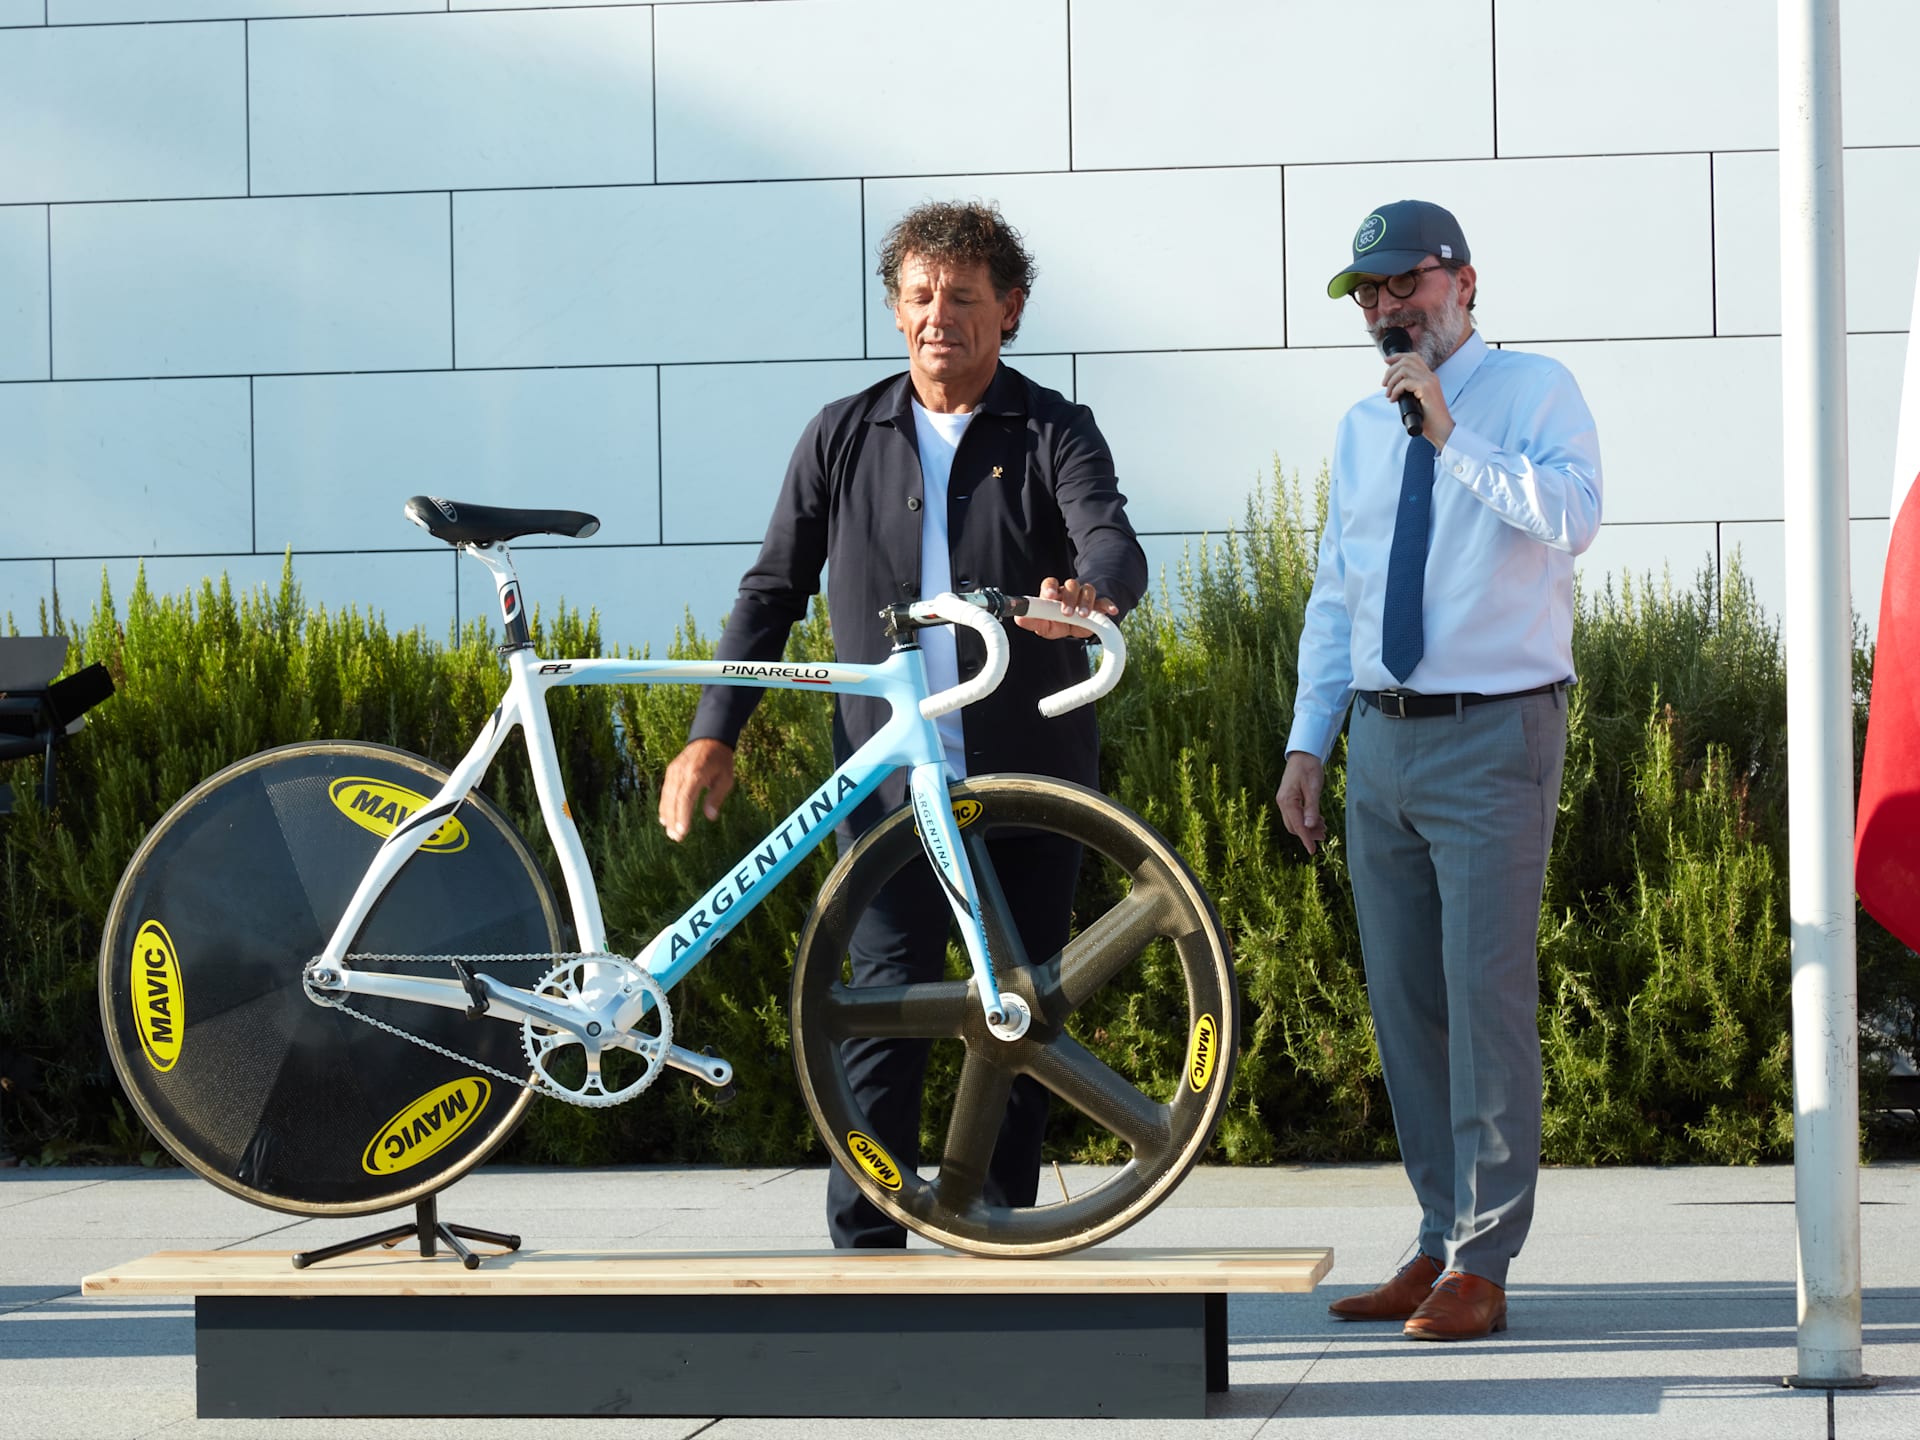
(1397, 237)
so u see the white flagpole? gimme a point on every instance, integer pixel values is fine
(1819, 633)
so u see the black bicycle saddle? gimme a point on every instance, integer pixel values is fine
(459, 523)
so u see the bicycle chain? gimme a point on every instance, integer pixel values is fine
(524, 1082)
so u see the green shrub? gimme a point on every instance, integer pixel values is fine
(1664, 996)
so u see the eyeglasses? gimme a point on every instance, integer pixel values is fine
(1367, 293)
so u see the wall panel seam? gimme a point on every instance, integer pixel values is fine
(1013, 357)
(1071, 163)
(866, 320)
(657, 184)
(453, 298)
(1286, 311)
(49, 231)
(1713, 242)
(1493, 69)
(659, 457)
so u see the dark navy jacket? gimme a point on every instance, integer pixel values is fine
(1032, 494)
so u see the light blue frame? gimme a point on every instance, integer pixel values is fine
(909, 739)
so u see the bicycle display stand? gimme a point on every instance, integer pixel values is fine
(1125, 1333)
(428, 1231)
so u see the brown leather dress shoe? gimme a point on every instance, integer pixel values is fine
(1459, 1307)
(1395, 1300)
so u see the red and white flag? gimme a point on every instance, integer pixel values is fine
(1886, 840)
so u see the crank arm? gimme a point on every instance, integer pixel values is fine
(710, 1069)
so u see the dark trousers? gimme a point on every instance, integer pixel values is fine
(902, 939)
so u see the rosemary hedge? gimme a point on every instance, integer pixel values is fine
(1664, 1006)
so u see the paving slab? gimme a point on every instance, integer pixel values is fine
(1655, 1302)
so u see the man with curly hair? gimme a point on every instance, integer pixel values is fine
(959, 474)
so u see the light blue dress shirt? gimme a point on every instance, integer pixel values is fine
(1516, 497)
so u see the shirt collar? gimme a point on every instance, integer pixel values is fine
(1458, 368)
(1006, 395)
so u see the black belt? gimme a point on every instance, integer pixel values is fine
(1404, 705)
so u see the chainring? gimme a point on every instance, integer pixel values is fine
(587, 982)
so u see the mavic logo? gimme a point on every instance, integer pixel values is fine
(1203, 1053)
(872, 1158)
(159, 999)
(427, 1126)
(382, 808)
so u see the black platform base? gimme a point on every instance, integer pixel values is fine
(893, 1356)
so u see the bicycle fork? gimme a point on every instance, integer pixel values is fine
(1007, 1014)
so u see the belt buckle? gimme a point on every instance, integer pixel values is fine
(1393, 704)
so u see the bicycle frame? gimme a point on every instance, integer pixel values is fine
(909, 739)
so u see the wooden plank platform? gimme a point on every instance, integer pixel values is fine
(1137, 1333)
(668, 1272)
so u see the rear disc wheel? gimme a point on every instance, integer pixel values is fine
(287, 1103)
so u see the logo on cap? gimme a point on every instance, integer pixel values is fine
(1371, 232)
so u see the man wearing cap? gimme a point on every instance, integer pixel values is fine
(1443, 611)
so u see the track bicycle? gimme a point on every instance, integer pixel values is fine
(308, 974)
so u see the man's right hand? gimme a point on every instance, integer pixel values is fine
(1299, 799)
(704, 765)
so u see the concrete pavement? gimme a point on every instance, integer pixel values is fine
(1648, 1303)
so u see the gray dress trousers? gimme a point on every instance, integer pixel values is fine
(1449, 821)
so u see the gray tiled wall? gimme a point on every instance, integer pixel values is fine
(268, 267)
(439, 102)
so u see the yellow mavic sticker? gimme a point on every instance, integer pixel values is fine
(159, 997)
(429, 1124)
(1203, 1053)
(872, 1157)
(382, 808)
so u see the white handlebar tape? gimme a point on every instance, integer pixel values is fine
(949, 606)
(1113, 657)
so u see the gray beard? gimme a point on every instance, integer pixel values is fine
(1442, 330)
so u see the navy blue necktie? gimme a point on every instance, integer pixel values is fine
(1402, 636)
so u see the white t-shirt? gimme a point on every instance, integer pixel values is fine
(939, 437)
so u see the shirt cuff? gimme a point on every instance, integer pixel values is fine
(1314, 734)
(1466, 454)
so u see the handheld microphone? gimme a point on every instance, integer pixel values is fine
(1394, 340)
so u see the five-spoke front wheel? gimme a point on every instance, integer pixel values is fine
(1158, 941)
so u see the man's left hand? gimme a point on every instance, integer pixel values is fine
(1076, 595)
(1409, 375)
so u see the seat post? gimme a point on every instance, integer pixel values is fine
(506, 583)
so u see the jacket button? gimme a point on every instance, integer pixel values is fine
(913, 502)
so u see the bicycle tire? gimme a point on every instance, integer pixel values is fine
(281, 1101)
(1162, 902)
